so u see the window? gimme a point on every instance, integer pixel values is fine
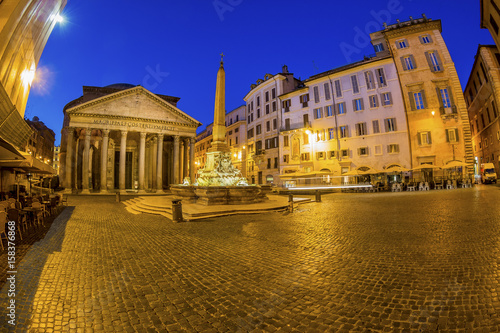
(402, 44)
(286, 158)
(370, 83)
(305, 118)
(434, 61)
(378, 150)
(386, 98)
(484, 72)
(390, 125)
(355, 87)
(274, 106)
(267, 96)
(341, 108)
(408, 63)
(269, 163)
(304, 99)
(344, 152)
(258, 129)
(425, 39)
(267, 108)
(318, 113)
(331, 154)
(251, 106)
(479, 79)
(393, 148)
(236, 140)
(363, 151)
(273, 93)
(373, 101)
(250, 133)
(249, 119)
(495, 112)
(304, 157)
(344, 133)
(275, 123)
(381, 77)
(275, 162)
(338, 88)
(361, 129)
(328, 111)
(285, 141)
(316, 94)
(376, 126)
(286, 105)
(445, 98)
(424, 138)
(236, 130)
(258, 100)
(268, 126)
(331, 133)
(258, 113)
(287, 124)
(379, 47)
(230, 142)
(327, 91)
(452, 135)
(258, 147)
(306, 138)
(358, 104)
(418, 100)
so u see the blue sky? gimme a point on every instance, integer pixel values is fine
(173, 47)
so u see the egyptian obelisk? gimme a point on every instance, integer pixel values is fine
(219, 128)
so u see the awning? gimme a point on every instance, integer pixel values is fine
(8, 152)
(455, 164)
(28, 164)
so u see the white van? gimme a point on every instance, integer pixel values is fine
(488, 174)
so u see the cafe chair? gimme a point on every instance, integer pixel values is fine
(13, 215)
(3, 226)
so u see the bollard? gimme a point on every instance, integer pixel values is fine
(290, 202)
(117, 196)
(176, 210)
(318, 196)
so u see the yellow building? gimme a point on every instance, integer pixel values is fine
(438, 124)
(482, 94)
(25, 26)
(490, 18)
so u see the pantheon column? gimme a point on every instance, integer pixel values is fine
(159, 166)
(154, 150)
(123, 155)
(86, 165)
(176, 159)
(147, 171)
(191, 159)
(186, 161)
(142, 158)
(69, 159)
(104, 160)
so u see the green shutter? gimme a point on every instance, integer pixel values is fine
(354, 105)
(423, 98)
(395, 125)
(430, 138)
(412, 101)
(403, 63)
(413, 61)
(345, 108)
(450, 94)
(362, 104)
(447, 135)
(440, 99)
(440, 63)
(429, 61)
(390, 97)
(456, 134)
(419, 139)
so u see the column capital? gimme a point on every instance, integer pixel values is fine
(143, 135)
(176, 138)
(155, 139)
(186, 140)
(123, 132)
(105, 132)
(192, 140)
(88, 133)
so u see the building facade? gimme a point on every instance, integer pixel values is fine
(25, 26)
(482, 94)
(56, 162)
(438, 124)
(345, 119)
(123, 137)
(41, 142)
(263, 126)
(490, 18)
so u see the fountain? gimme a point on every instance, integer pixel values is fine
(219, 182)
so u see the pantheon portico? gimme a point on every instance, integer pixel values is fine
(124, 137)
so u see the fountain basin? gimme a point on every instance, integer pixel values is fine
(220, 195)
(211, 195)
(186, 193)
(243, 195)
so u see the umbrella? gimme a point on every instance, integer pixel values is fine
(454, 164)
(396, 168)
(372, 171)
(354, 173)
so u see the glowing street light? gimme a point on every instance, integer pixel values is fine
(27, 76)
(58, 18)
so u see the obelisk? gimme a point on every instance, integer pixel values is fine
(219, 128)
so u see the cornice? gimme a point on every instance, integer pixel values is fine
(411, 29)
(145, 120)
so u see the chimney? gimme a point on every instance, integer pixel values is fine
(424, 16)
(284, 69)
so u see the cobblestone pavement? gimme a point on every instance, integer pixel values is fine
(381, 262)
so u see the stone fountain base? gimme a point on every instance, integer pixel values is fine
(220, 195)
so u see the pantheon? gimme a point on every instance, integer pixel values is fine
(123, 137)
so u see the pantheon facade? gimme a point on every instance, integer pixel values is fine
(123, 137)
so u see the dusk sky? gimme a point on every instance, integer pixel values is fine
(173, 47)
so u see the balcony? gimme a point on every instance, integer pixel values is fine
(295, 126)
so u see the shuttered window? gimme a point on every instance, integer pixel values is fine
(354, 82)
(327, 91)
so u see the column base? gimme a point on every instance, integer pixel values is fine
(85, 191)
(67, 191)
(141, 191)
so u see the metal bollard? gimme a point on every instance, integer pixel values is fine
(176, 210)
(318, 196)
(290, 202)
(117, 196)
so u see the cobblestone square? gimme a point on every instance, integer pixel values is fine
(381, 262)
